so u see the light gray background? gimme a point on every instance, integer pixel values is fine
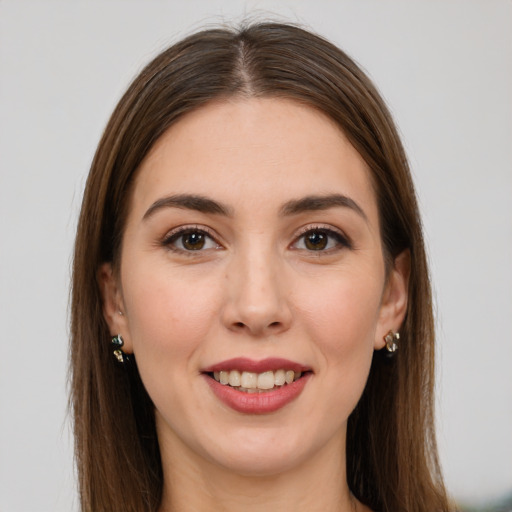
(445, 68)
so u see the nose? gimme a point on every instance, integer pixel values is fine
(257, 302)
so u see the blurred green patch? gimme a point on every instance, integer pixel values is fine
(503, 505)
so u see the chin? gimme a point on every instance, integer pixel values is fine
(263, 464)
(263, 452)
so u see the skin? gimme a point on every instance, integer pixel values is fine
(254, 290)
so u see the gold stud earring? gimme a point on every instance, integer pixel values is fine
(391, 340)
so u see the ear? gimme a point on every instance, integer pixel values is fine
(394, 299)
(113, 305)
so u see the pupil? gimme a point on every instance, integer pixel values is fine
(316, 241)
(193, 241)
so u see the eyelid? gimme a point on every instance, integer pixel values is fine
(333, 231)
(178, 231)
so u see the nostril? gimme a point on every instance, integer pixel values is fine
(242, 325)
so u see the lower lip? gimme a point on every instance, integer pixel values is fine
(258, 403)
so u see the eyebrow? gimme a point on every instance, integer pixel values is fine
(318, 203)
(295, 206)
(188, 202)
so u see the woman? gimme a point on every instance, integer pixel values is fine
(250, 242)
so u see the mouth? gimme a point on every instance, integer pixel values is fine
(252, 382)
(257, 387)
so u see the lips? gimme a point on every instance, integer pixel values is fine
(257, 387)
(249, 365)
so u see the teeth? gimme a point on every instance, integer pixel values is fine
(266, 380)
(250, 382)
(234, 378)
(279, 377)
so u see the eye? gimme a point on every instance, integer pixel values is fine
(190, 239)
(320, 239)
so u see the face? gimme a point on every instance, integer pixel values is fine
(252, 284)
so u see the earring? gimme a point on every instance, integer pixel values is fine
(117, 342)
(391, 340)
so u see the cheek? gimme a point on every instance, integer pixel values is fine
(168, 315)
(342, 318)
(340, 315)
(169, 319)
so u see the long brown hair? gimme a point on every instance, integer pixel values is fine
(392, 462)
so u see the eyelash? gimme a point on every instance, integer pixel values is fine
(341, 240)
(175, 235)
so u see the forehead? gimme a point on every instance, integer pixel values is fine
(258, 148)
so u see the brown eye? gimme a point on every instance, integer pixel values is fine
(321, 239)
(189, 240)
(316, 240)
(193, 241)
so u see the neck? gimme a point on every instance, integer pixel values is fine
(318, 484)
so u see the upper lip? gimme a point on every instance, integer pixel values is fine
(250, 365)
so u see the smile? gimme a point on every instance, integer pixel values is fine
(257, 387)
(251, 382)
